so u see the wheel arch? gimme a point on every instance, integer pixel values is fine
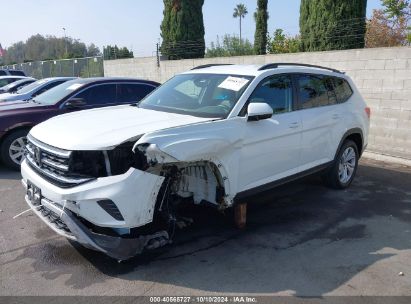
(13, 129)
(354, 134)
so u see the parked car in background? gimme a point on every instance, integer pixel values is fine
(5, 72)
(17, 85)
(5, 80)
(17, 118)
(36, 88)
(117, 180)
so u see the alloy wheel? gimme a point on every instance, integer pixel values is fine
(16, 150)
(347, 165)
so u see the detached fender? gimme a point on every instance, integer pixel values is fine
(195, 142)
(218, 142)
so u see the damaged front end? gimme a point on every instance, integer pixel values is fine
(119, 201)
(68, 224)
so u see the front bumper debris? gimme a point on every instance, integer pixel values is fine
(66, 224)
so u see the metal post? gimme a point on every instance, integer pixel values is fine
(158, 55)
(65, 39)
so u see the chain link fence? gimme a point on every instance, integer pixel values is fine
(78, 67)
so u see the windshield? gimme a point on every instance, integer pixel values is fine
(202, 95)
(31, 86)
(54, 95)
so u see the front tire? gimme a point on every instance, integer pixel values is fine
(12, 149)
(342, 172)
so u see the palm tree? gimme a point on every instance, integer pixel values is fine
(240, 11)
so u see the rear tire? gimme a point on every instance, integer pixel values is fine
(343, 170)
(12, 149)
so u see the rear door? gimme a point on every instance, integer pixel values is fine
(132, 92)
(320, 119)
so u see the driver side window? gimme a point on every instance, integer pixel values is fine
(277, 91)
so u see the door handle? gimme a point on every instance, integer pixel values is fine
(336, 116)
(294, 125)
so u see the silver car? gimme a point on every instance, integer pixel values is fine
(34, 89)
(17, 85)
(5, 80)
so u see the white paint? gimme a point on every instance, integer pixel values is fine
(247, 154)
(105, 127)
(21, 213)
(134, 193)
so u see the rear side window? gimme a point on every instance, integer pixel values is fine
(129, 93)
(342, 89)
(315, 91)
(276, 91)
(99, 95)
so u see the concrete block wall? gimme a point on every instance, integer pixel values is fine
(383, 76)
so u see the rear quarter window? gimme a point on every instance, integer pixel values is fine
(342, 89)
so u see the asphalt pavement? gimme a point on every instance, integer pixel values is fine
(302, 239)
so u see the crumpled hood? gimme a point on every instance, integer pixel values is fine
(106, 128)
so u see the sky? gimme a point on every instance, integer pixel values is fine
(133, 23)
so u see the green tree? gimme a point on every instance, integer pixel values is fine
(240, 11)
(332, 24)
(261, 19)
(182, 29)
(399, 13)
(38, 47)
(114, 52)
(396, 9)
(93, 50)
(390, 26)
(230, 46)
(280, 43)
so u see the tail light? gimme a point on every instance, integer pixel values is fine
(368, 112)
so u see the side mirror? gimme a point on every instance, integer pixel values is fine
(259, 111)
(75, 103)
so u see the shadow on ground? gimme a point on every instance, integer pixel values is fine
(8, 174)
(303, 238)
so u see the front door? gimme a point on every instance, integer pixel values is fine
(271, 147)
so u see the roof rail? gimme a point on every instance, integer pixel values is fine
(276, 65)
(209, 65)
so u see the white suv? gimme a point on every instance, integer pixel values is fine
(112, 178)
